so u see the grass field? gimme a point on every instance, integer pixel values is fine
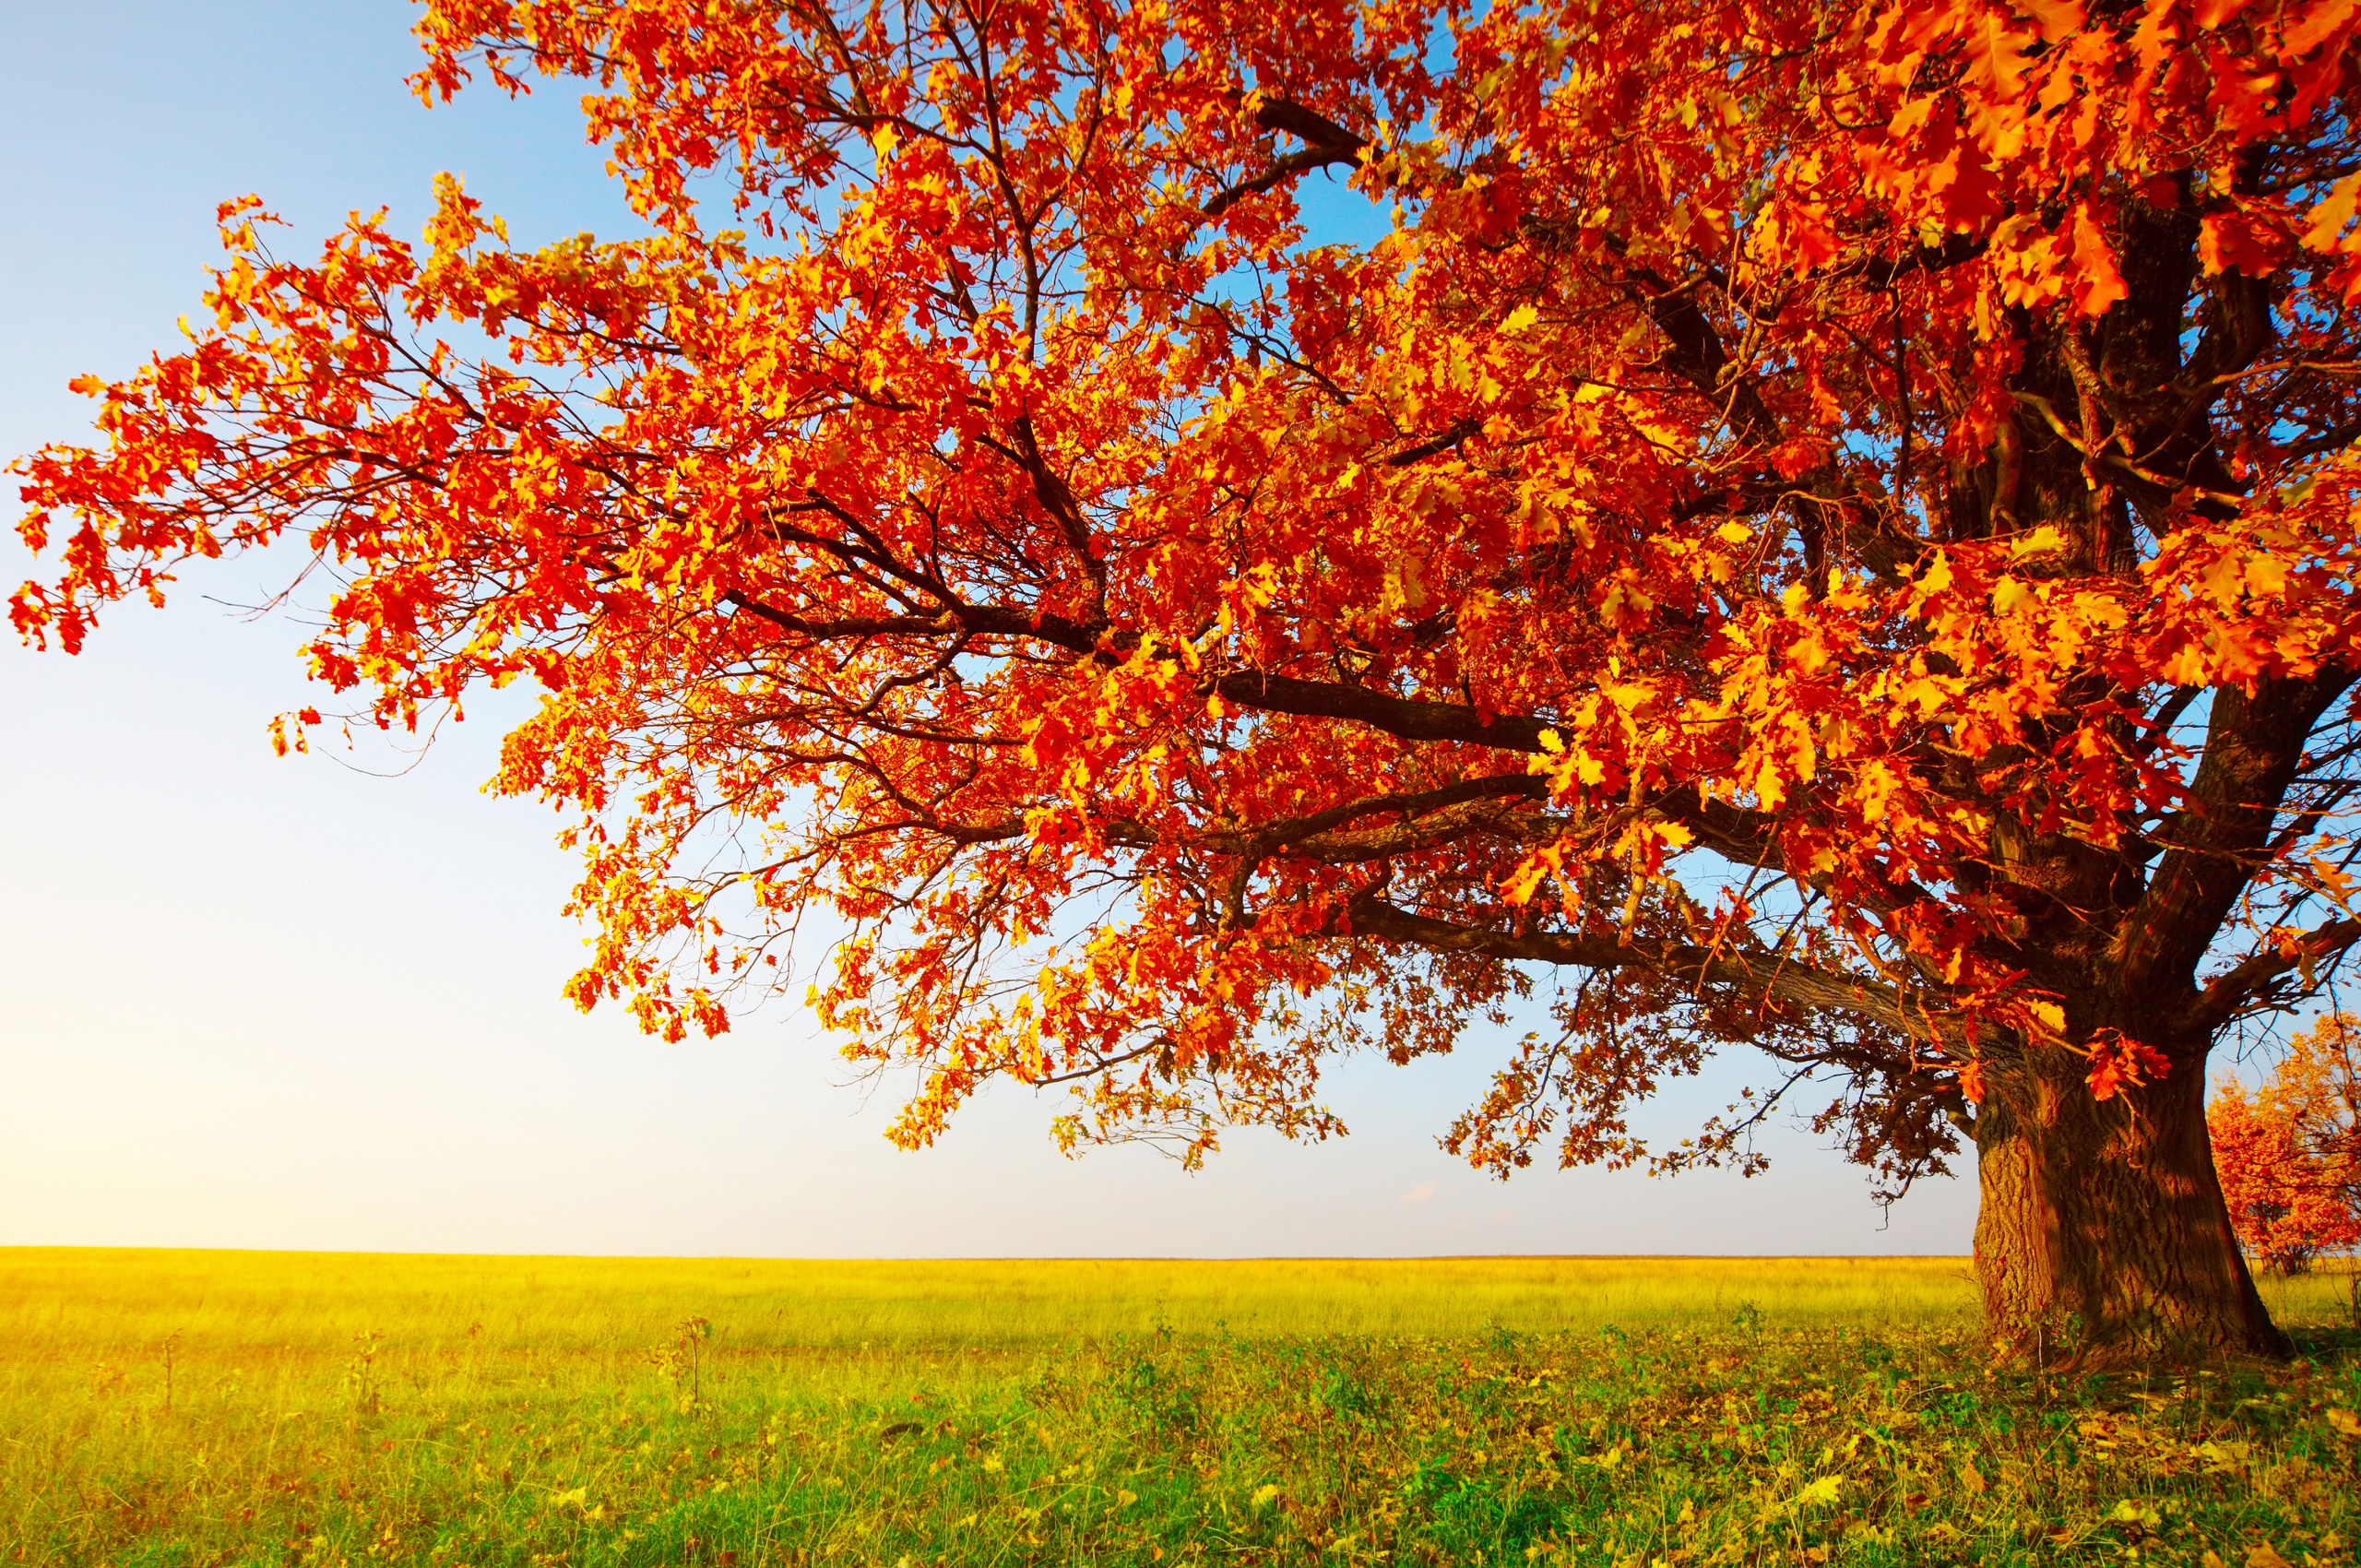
(208, 1409)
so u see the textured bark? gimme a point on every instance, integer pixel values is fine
(2013, 1257)
(2102, 1234)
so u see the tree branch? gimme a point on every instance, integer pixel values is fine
(2254, 746)
(1326, 142)
(1765, 974)
(2225, 995)
(1409, 719)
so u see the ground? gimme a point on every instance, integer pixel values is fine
(206, 1408)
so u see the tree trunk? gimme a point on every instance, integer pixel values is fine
(2103, 1236)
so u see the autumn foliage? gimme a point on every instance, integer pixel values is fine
(2290, 1153)
(1821, 529)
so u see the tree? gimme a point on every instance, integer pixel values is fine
(2290, 1155)
(1816, 527)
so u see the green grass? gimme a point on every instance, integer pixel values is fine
(356, 1409)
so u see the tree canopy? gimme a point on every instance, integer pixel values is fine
(1827, 529)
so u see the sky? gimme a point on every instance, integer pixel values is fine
(314, 1002)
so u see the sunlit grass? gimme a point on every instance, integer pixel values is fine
(98, 1300)
(326, 1408)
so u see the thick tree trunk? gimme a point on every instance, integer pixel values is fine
(2103, 1236)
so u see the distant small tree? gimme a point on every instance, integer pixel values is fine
(2289, 1154)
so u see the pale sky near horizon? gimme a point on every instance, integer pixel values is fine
(248, 1002)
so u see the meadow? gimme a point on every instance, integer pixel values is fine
(204, 1408)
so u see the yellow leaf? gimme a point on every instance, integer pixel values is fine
(1823, 1489)
(1266, 1495)
(2051, 1016)
(2331, 215)
(1972, 1478)
(2042, 540)
(2010, 595)
(2218, 1457)
(2264, 1556)
(1734, 532)
(1520, 318)
(2344, 1422)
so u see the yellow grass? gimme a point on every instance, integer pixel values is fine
(107, 1303)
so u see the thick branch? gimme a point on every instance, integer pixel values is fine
(2227, 994)
(2253, 747)
(1409, 719)
(1765, 974)
(1410, 803)
(1326, 142)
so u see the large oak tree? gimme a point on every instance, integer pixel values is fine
(1826, 528)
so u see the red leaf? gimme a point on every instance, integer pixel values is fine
(2119, 1062)
(2249, 241)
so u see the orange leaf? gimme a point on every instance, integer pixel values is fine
(2099, 284)
(1996, 55)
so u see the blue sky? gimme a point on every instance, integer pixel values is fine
(254, 1001)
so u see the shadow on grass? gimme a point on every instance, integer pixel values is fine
(2317, 1342)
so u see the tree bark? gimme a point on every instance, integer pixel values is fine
(2103, 1237)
